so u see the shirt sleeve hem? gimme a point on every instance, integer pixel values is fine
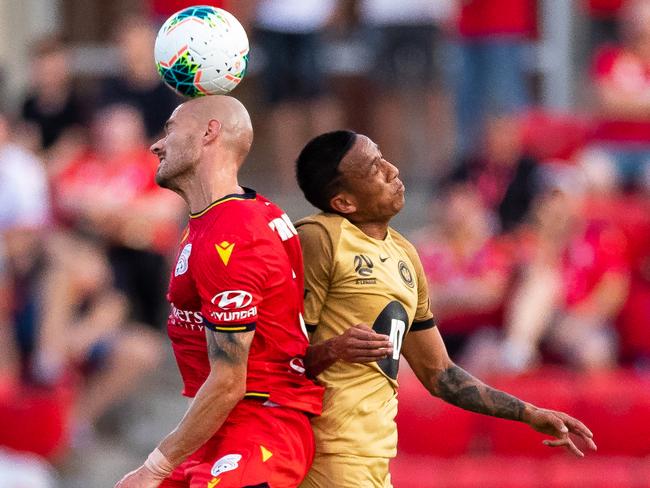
(230, 327)
(422, 325)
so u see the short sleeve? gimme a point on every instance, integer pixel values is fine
(423, 315)
(318, 254)
(231, 274)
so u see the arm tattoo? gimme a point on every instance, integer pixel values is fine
(226, 347)
(458, 387)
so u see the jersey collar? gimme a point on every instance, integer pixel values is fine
(247, 195)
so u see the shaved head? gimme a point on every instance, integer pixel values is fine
(236, 132)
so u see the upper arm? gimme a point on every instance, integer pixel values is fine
(317, 250)
(228, 355)
(427, 355)
(423, 315)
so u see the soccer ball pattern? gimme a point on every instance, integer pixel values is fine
(202, 51)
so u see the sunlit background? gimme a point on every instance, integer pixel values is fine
(520, 127)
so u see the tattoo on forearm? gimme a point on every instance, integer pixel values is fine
(226, 347)
(458, 387)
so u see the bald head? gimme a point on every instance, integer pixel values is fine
(235, 131)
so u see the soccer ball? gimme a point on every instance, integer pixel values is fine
(202, 50)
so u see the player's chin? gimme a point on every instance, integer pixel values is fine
(398, 204)
(162, 179)
(400, 200)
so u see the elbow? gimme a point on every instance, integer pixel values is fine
(437, 376)
(227, 390)
(233, 392)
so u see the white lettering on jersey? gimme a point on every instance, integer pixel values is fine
(283, 226)
(188, 319)
(397, 330)
(232, 299)
(235, 315)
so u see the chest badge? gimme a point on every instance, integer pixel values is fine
(225, 250)
(405, 274)
(363, 267)
(183, 260)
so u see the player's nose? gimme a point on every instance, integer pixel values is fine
(392, 171)
(156, 147)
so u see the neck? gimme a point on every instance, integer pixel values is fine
(207, 184)
(376, 230)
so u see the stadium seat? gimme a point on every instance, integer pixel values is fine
(559, 471)
(592, 472)
(616, 406)
(36, 421)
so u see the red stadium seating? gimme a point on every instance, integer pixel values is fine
(560, 471)
(616, 406)
(36, 420)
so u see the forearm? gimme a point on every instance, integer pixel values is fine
(205, 415)
(457, 387)
(319, 357)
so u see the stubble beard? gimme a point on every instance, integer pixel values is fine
(170, 172)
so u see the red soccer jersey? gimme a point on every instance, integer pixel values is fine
(479, 18)
(625, 72)
(239, 268)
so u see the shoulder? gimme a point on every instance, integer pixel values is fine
(404, 243)
(242, 221)
(323, 226)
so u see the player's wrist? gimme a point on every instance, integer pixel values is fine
(529, 412)
(158, 464)
(333, 349)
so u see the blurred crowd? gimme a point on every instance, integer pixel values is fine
(536, 243)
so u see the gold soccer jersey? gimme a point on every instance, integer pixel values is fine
(351, 278)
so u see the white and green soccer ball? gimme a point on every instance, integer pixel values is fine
(202, 50)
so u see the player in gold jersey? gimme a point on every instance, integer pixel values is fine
(367, 302)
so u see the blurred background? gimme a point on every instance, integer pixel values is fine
(521, 129)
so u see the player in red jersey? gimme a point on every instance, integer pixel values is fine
(235, 324)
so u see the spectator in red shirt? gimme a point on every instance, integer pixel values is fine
(59, 314)
(573, 284)
(110, 194)
(622, 79)
(467, 269)
(494, 36)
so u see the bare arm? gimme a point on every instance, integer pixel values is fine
(427, 356)
(358, 344)
(221, 391)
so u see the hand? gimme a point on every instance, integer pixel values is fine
(559, 425)
(361, 344)
(140, 478)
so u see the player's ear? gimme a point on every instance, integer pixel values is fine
(212, 131)
(343, 203)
